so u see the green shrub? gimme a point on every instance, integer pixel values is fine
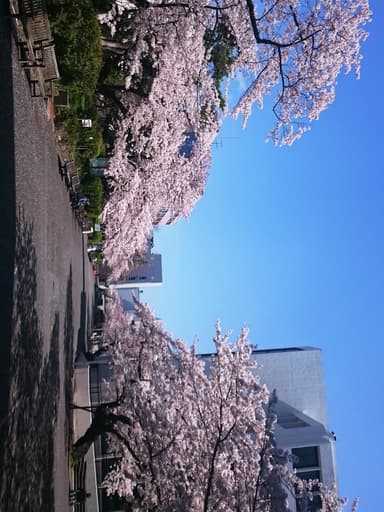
(95, 238)
(92, 188)
(85, 142)
(77, 38)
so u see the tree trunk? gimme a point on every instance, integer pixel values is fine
(110, 92)
(104, 421)
(101, 423)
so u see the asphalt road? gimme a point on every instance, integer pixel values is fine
(46, 298)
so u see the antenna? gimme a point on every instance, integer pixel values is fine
(219, 142)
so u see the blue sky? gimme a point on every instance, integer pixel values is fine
(289, 241)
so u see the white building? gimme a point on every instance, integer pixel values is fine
(147, 274)
(302, 424)
(297, 376)
(128, 297)
(166, 216)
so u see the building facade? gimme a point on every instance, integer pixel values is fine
(302, 423)
(166, 217)
(142, 276)
(297, 376)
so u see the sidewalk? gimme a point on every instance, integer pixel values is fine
(81, 421)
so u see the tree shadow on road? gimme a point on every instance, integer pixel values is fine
(7, 209)
(82, 331)
(68, 359)
(28, 454)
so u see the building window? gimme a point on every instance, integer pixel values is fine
(306, 462)
(306, 457)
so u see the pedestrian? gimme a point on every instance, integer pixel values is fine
(82, 201)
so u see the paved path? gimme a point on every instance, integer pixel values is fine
(46, 299)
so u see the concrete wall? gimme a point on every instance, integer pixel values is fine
(297, 376)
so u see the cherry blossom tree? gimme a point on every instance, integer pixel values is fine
(180, 60)
(190, 434)
(144, 184)
(294, 50)
(151, 168)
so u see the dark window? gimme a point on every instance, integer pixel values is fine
(306, 462)
(309, 475)
(307, 457)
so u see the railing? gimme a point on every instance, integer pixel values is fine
(35, 45)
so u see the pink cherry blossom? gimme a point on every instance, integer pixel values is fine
(190, 433)
(292, 52)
